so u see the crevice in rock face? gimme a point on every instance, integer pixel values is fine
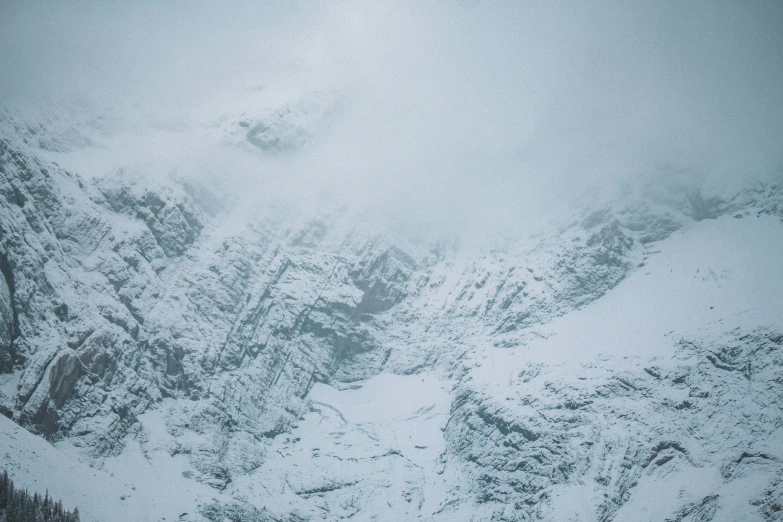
(703, 509)
(503, 426)
(9, 320)
(63, 377)
(5, 269)
(45, 421)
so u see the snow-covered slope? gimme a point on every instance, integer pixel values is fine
(654, 399)
(236, 363)
(128, 488)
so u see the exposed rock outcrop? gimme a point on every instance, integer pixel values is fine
(120, 295)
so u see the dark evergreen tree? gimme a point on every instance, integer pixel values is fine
(18, 505)
(4, 483)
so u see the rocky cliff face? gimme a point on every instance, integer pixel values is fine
(122, 297)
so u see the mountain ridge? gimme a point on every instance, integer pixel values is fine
(126, 298)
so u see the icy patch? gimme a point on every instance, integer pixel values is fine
(369, 449)
(724, 272)
(715, 276)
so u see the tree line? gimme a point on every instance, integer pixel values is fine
(18, 505)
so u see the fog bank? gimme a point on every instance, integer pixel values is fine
(473, 114)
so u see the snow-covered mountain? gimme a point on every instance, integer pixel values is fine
(192, 358)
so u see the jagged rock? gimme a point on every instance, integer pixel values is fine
(122, 297)
(7, 317)
(63, 375)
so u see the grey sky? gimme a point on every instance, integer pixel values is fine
(457, 109)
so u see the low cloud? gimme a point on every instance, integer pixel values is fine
(472, 114)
